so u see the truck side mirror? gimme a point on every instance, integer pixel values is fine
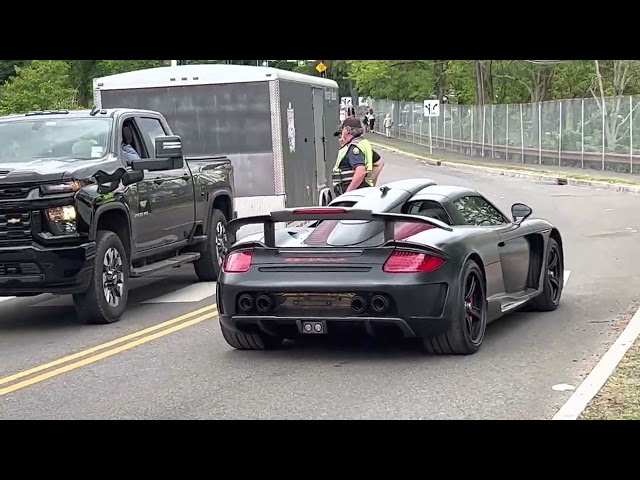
(169, 155)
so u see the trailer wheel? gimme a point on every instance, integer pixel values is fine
(209, 264)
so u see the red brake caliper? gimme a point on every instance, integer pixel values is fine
(468, 303)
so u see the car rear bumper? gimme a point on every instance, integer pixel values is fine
(33, 269)
(278, 325)
(417, 310)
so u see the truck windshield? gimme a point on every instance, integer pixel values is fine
(60, 138)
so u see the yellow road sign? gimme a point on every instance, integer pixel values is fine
(321, 67)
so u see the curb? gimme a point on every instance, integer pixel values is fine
(597, 378)
(539, 177)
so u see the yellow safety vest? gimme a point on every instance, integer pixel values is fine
(343, 177)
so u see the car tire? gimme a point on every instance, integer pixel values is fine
(209, 265)
(245, 341)
(106, 299)
(468, 324)
(553, 280)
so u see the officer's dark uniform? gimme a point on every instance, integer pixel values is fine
(357, 152)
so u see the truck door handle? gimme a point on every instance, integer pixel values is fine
(186, 177)
(158, 181)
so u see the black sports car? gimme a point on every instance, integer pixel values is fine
(425, 261)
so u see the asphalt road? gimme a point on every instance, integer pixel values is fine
(187, 371)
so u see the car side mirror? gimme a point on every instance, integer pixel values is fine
(169, 155)
(520, 212)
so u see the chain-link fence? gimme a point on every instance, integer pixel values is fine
(573, 133)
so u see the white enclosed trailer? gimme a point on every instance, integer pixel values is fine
(276, 126)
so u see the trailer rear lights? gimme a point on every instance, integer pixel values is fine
(411, 262)
(238, 262)
(319, 211)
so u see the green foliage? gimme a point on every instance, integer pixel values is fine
(40, 85)
(112, 67)
(504, 81)
(408, 80)
(8, 68)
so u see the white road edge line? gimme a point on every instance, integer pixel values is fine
(591, 385)
(566, 278)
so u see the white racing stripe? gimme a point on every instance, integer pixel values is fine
(4, 299)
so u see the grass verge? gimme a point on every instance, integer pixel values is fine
(619, 398)
(411, 150)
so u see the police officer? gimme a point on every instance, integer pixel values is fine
(365, 146)
(354, 165)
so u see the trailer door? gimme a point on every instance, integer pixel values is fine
(319, 135)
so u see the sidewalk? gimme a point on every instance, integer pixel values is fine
(584, 176)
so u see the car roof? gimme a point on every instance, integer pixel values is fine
(65, 114)
(444, 192)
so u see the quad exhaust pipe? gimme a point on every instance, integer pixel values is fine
(245, 302)
(263, 303)
(379, 303)
(358, 304)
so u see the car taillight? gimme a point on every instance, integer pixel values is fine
(411, 262)
(238, 262)
(318, 211)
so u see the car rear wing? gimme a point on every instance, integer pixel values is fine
(326, 213)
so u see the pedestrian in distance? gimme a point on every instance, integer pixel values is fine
(388, 123)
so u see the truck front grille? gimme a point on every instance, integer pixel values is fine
(15, 229)
(18, 268)
(14, 193)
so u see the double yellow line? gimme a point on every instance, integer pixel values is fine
(105, 350)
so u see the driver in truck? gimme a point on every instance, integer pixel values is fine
(129, 153)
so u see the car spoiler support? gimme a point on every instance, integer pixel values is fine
(326, 213)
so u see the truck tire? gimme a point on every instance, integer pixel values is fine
(106, 299)
(209, 264)
(244, 341)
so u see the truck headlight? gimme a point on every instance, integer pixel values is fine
(67, 187)
(62, 219)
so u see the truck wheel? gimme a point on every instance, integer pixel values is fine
(244, 341)
(106, 299)
(209, 264)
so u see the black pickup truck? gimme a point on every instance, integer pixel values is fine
(78, 216)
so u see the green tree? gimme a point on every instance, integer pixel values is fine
(40, 85)
(8, 68)
(81, 73)
(112, 67)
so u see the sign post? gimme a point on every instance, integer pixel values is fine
(431, 109)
